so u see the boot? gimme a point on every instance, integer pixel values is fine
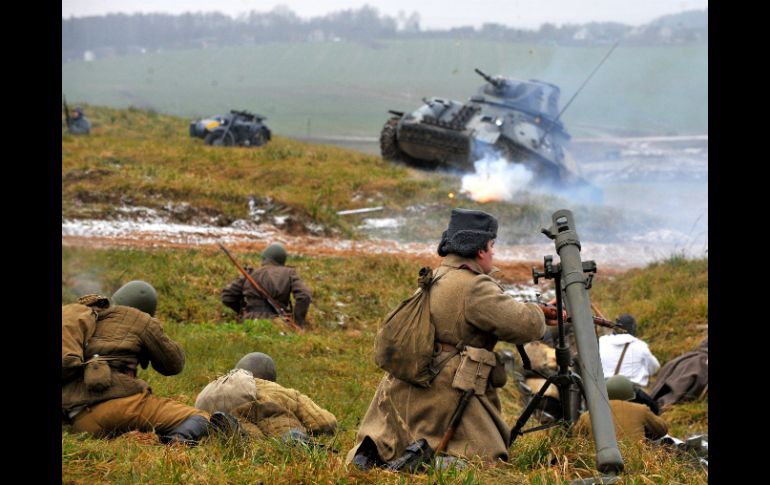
(226, 426)
(415, 455)
(367, 457)
(189, 431)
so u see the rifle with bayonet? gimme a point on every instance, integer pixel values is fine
(282, 313)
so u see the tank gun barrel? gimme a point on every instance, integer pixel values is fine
(494, 82)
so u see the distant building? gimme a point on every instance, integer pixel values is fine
(316, 35)
(582, 34)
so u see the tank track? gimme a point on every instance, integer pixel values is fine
(437, 138)
(390, 150)
(388, 147)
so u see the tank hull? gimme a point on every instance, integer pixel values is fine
(515, 122)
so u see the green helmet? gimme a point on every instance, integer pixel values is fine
(137, 294)
(620, 388)
(275, 253)
(259, 364)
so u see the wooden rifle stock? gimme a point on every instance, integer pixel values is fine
(274, 304)
(455, 421)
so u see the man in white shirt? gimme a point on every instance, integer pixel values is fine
(636, 361)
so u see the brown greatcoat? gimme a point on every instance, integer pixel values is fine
(125, 337)
(683, 379)
(269, 407)
(470, 307)
(633, 422)
(280, 282)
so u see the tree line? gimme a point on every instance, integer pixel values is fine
(117, 34)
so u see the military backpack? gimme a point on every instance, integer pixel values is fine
(78, 324)
(405, 341)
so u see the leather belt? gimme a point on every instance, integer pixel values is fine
(447, 347)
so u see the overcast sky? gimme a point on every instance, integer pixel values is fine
(435, 14)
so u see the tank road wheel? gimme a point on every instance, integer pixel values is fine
(388, 145)
(219, 139)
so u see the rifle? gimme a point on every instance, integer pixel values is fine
(66, 110)
(551, 314)
(274, 304)
(455, 420)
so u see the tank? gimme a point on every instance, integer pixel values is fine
(507, 118)
(237, 128)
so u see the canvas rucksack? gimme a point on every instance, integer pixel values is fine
(227, 392)
(78, 324)
(405, 341)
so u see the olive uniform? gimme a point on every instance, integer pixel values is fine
(633, 421)
(265, 408)
(279, 281)
(126, 338)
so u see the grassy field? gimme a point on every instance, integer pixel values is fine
(347, 88)
(332, 363)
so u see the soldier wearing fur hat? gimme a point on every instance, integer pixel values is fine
(281, 282)
(104, 341)
(470, 313)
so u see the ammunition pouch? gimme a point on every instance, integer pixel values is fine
(473, 372)
(97, 374)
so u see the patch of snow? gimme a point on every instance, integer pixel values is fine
(384, 223)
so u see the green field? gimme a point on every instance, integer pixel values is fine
(332, 363)
(345, 89)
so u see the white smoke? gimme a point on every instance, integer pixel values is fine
(495, 179)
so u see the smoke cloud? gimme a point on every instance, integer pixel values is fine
(495, 179)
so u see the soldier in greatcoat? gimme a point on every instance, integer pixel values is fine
(684, 378)
(470, 312)
(281, 282)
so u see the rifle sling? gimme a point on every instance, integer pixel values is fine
(620, 361)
